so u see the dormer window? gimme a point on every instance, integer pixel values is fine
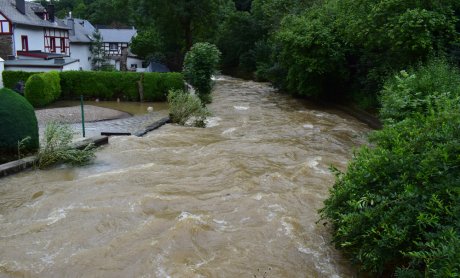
(5, 25)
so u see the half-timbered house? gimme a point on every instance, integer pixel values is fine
(32, 39)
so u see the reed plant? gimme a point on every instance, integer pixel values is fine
(56, 147)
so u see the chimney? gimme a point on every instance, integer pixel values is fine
(50, 10)
(71, 24)
(21, 6)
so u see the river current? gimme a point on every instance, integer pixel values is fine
(236, 199)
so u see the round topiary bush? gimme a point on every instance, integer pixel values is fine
(18, 121)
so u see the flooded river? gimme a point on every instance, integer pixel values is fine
(237, 199)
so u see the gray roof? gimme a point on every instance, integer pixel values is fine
(8, 8)
(83, 30)
(40, 62)
(118, 35)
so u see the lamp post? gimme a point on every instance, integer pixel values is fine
(82, 115)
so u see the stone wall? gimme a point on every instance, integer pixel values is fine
(6, 46)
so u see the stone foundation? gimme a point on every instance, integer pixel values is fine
(6, 46)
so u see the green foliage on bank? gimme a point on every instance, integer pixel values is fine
(417, 90)
(340, 47)
(186, 108)
(42, 89)
(200, 64)
(18, 122)
(11, 78)
(397, 208)
(157, 85)
(56, 147)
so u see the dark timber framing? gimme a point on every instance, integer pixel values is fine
(57, 41)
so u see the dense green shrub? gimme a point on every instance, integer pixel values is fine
(123, 85)
(415, 91)
(397, 208)
(199, 65)
(102, 85)
(184, 107)
(56, 147)
(11, 78)
(337, 48)
(42, 89)
(18, 122)
(157, 85)
(313, 53)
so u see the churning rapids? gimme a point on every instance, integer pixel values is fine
(236, 199)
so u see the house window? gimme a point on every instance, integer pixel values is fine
(113, 46)
(62, 45)
(5, 25)
(25, 43)
(52, 44)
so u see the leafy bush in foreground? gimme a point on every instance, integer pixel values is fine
(56, 148)
(397, 208)
(184, 107)
(18, 122)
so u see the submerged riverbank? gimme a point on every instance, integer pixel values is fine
(239, 198)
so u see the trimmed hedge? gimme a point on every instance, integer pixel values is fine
(42, 89)
(18, 122)
(157, 85)
(11, 78)
(124, 85)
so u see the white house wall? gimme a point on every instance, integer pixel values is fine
(81, 52)
(134, 61)
(35, 37)
(72, 66)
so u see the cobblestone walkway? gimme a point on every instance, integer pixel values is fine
(125, 125)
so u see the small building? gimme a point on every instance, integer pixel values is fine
(116, 45)
(31, 33)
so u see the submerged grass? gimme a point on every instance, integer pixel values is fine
(56, 147)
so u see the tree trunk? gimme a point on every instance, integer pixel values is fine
(187, 25)
(140, 85)
(124, 59)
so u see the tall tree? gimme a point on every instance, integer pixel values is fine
(181, 22)
(98, 54)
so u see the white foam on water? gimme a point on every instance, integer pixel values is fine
(241, 108)
(313, 164)
(124, 170)
(308, 126)
(212, 121)
(228, 131)
(187, 215)
(258, 197)
(288, 228)
(56, 215)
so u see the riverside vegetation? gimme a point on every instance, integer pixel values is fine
(396, 211)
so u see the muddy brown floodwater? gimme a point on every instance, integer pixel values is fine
(237, 199)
